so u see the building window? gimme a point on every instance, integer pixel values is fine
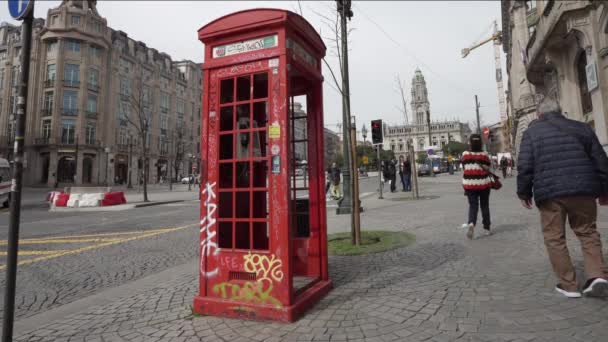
(68, 131)
(72, 75)
(581, 64)
(125, 65)
(48, 100)
(91, 131)
(164, 121)
(93, 78)
(146, 96)
(15, 75)
(51, 47)
(73, 45)
(180, 106)
(75, 20)
(164, 101)
(50, 72)
(125, 87)
(92, 103)
(124, 110)
(54, 20)
(95, 51)
(46, 128)
(1, 79)
(11, 131)
(70, 102)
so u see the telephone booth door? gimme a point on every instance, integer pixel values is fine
(263, 227)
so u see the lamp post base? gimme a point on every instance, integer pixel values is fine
(344, 206)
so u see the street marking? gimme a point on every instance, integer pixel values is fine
(99, 245)
(4, 253)
(44, 241)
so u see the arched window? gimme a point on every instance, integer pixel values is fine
(581, 65)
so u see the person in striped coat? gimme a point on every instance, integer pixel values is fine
(477, 183)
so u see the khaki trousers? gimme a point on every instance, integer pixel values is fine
(582, 215)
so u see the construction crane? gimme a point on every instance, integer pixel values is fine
(496, 37)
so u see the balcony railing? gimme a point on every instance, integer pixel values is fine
(93, 87)
(69, 111)
(71, 83)
(92, 143)
(46, 112)
(49, 83)
(91, 115)
(42, 141)
(164, 109)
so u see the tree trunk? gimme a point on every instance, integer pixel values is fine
(145, 144)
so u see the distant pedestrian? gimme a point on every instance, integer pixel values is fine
(563, 166)
(477, 183)
(392, 173)
(335, 176)
(510, 167)
(503, 166)
(407, 175)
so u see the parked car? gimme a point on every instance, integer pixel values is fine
(424, 169)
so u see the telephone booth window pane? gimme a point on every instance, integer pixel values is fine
(242, 112)
(225, 205)
(260, 144)
(226, 118)
(224, 239)
(242, 235)
(243, 88)
(260, 114)
(260, 172)
(226, 146)
(225, 175)
(260, 86)
(242, 175)
(242, 204)
(259, 204)
(260, 235)
(243, 145)
(227, 91)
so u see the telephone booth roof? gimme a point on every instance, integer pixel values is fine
(243, 22)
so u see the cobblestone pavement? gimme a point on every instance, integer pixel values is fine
(442, 288)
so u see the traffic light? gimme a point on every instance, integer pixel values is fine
(377, 132)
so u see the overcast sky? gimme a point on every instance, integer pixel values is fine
(390, 38)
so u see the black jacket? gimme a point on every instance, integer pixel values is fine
(559, 157)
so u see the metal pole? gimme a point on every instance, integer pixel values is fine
(356, 202)
(477, 111)
(15, 200)
(415, 189)
(129, 184)
(379, 172)
(428, 123)
(345, 204)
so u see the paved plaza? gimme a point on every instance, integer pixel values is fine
(442, 288)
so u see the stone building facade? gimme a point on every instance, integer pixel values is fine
(93, 91)
(397, 137)
(558, 49)
(333, 146)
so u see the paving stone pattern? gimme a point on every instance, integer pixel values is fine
(442, 288)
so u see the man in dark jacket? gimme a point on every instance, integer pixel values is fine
(392, 173)
(564, 167)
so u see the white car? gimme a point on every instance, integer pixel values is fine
(185, 180)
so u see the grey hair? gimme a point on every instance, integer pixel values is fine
(548, 105)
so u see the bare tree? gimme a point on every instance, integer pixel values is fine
(138, 115)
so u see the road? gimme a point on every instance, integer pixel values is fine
(67, 256)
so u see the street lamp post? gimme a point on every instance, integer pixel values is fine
(364, 134)
(107, 150)
(129, 184)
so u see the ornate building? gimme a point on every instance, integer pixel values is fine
(90, 88)
(559, 49)
(397, 137)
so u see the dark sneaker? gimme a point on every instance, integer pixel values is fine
(486, 231)
(596, 287)
(569, 294)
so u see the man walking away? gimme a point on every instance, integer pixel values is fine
(563, 166)
(392, 173)
(401, 174)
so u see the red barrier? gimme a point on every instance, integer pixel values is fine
(113, 198)
(62, 200)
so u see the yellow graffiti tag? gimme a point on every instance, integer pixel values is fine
(263, 266)
(251, 292)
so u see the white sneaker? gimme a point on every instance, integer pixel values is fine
(465, 226)
(471, 231)
(486, 232)
(569, 294)
(597, 287)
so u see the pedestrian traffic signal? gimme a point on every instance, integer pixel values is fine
(377, 132)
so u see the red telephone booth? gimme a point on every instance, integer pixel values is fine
(263, 231)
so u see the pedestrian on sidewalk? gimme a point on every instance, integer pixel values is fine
(503, 166)
(334, 173)
(407, 174)
(563, 166)
(477, 183)
(400, 168)
(392, 173)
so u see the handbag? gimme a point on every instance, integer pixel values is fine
(496, 183)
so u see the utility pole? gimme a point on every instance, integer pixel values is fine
(27, 14)
(345, 204)
(129, 185)
(428, 123)
(356, 227)
(477, 111)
